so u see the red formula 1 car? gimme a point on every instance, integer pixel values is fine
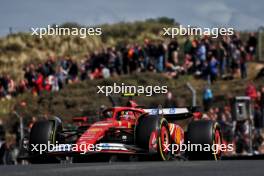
(127, 131)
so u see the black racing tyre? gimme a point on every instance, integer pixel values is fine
(152, 134)
(43, 132)
(208, 134)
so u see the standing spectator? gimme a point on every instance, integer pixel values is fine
(146, 53)
(236, 40)
(4, 85)
(258, 121)
(201, 52)
(213, 68)
(61, 76)
(226, 43)
(49, 67)
(173, 48)
(221, 57)
(132, 59)
(243, 60)
(193, 53)
(11, 86)
(252, 45)
(187, 47)
(73, 71)
(86, 66)
(235, 60)
(39, 84)
(207, 98)
(142, 62)
(227, 128)
(118, 62)
(160, 57)
(125, 59)
(111, 59)
(65, 63)
(30, 75)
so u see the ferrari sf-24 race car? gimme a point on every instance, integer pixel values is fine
(127, 131)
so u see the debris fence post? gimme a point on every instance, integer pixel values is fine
(193, 91)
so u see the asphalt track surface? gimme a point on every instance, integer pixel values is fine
(185, 168)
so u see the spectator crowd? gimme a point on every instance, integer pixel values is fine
(206, 58)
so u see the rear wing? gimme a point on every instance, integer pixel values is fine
(167, 111)
(175, 113)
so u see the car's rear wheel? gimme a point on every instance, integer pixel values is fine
(207, 134)
(152, 134)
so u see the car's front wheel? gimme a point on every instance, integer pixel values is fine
(43, 132)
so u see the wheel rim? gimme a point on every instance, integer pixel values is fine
(164, 139)
(217, 141)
